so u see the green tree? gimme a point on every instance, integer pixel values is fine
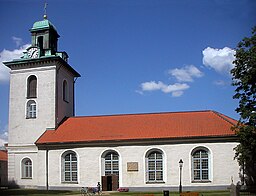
(244, 78)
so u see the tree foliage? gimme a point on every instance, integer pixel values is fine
(244, 78)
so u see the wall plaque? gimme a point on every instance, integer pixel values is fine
(132, 166)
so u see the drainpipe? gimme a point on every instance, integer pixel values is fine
(74, 96)
(47, 169)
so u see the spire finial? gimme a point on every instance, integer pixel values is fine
(45, 10)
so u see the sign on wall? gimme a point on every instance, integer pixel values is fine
(132, 166)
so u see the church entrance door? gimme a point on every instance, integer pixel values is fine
(110, 183)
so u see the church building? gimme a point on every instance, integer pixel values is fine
(51, 148)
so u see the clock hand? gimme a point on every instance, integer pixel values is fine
(34, 53)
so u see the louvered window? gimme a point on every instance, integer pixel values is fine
(32, 87)
(65, 93)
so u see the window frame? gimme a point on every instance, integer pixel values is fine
(112, 162)
(201, 169)
(73, 167)
(31, 109)
(26, 169)
(32, 87)
(155, 160)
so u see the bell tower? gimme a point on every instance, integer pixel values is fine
(44, 37)
(41, 97)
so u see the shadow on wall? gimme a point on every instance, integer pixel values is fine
(13, 185)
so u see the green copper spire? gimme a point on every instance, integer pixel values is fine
(42, 25)
(44, 40)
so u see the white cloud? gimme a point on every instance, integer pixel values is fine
(151, 86)
(177, 93)
(175, 89)
(18, 41)
(8, 55)
(219, 59)
(186, 74)
(220, 83)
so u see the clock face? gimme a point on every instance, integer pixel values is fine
(33, 52)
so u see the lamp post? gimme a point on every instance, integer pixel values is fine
(181, 165)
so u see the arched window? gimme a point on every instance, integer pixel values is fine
(26, 165)
(31, 86)
(111, 163)
(154, 166)
(65, 91)
(110, 170)
(31, 109)
(200, 164)
(69, 167)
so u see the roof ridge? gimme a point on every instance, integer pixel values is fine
(133, 114)
(224, 117)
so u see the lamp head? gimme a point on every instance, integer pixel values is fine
(180, 163)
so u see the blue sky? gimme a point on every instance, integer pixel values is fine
(136, 56)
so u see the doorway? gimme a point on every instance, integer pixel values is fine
(110, 172)
(109, 183)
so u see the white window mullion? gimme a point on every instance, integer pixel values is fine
(201, 173)
(111, 163)
(155, 167)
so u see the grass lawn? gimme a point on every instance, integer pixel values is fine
(35, 192)
(56, 192)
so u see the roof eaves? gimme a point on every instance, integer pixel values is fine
(141, 141)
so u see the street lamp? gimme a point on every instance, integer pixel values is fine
(181, 165)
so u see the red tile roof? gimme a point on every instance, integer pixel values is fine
(3, 155)
(140, 126)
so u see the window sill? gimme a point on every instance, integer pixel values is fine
(30, 117)
(201, 181)
(69, 182)
(155, 182)
(26, 178)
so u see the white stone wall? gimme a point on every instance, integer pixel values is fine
(15, 157)
(41, 169)
(64, 108)
(222, 166)
(24, 131)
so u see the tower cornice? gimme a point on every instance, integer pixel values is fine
(40, 62)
